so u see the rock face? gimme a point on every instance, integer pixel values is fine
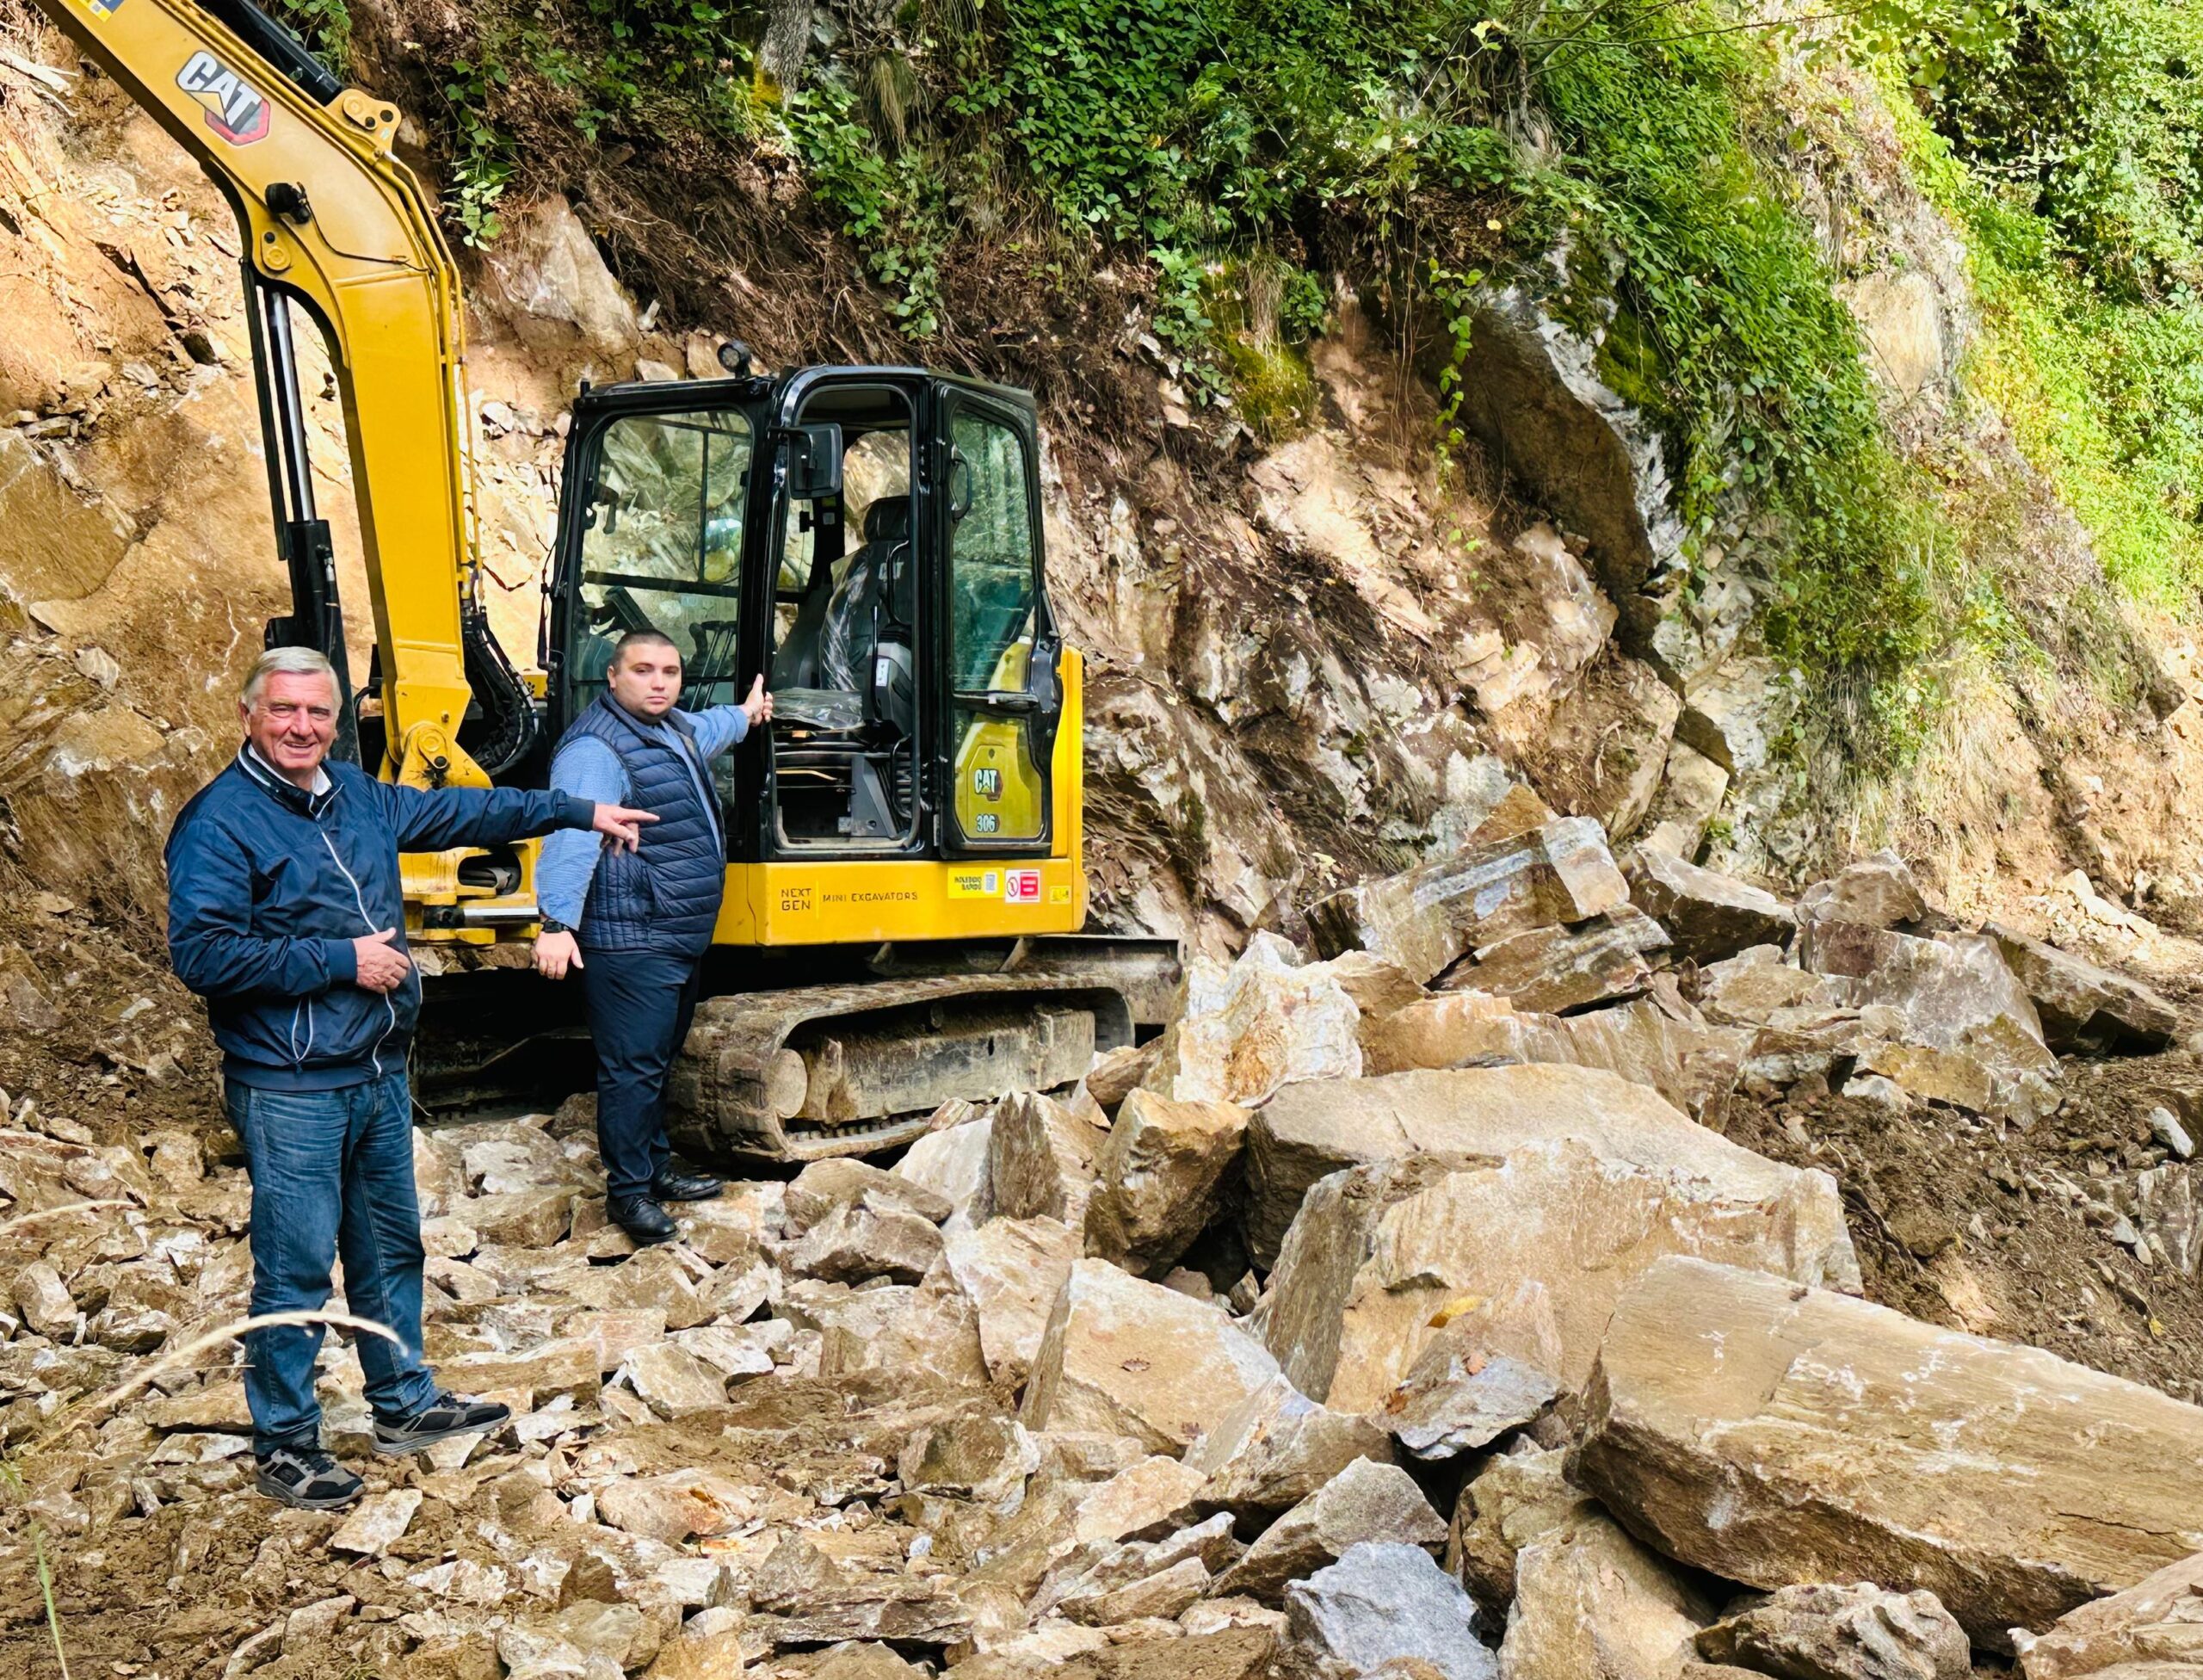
(2084, 1007)
(1366, 1501)
(1778, 1436)
(1844, 1632)
(1161, 1166)
(1126, 1357)
(2157, 1620)
(1382, 1608)
(1707, 916)
(1379, 1251)
(1590, 1603)
(1428, 919)
(1309, 1131)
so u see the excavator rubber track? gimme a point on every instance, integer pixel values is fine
(802, 1074)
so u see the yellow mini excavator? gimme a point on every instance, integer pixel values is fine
(905, 882)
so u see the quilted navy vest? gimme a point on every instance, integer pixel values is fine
(665, 895)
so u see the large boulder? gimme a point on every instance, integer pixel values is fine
(2084, 1007)
(1551, 970)
(1011, 1271)
(1517, 1497)
(1268, 1020)
(1379, 1251)
(1308, 1131)
(1276, 1447)
(1161, 1168)
(1429, 917)
(1122, 1357)
(1367, 1501)
(1382, 1608)
(1708, 915)
(2157, 1620)
(1861, 1632)
(1590, 1603)
(954, 1164)
(1041, 1159)
(1783, 1436)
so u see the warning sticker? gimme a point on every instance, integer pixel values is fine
(974, 883)
(1021, 886)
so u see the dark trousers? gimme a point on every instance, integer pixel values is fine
(332, 1173)
(639, 1005)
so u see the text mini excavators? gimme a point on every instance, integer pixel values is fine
(904, 873)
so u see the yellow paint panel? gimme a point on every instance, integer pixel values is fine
(835, 903)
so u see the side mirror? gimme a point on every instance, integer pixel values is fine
(814, 462)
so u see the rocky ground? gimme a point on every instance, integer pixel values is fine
(1565, 1271)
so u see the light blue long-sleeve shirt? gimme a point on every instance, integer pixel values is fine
(589, 769)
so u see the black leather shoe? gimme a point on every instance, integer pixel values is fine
(641, 1218)
(444, 1418)
(675, 1185)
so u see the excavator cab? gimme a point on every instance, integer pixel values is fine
(868, 538)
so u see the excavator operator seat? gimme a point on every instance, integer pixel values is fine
(846, 634)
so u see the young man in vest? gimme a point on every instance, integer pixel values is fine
(287, 915)
(636, 924)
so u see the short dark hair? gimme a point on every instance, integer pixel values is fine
(642, 639)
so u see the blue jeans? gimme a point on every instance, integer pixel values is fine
(639, 1005)
(332, 1172)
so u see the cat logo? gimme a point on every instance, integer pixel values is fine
(987, 783)
(234, 111)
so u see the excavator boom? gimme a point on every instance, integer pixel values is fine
(333, 221)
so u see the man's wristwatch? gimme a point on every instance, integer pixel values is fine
(552, 925)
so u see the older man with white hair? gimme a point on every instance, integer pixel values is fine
(287, 914)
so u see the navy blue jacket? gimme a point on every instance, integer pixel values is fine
(268, 886)
(665, 896)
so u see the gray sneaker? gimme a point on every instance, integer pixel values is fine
(306, 1477)
(446, 1418)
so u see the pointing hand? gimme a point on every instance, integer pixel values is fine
(622, 826)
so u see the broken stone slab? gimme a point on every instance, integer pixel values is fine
(1041, 1159)
(1555, 970)
(1428, 919)
(1590, 1603)
(680, 1505)
(812, 1598)
(377, 1524)
(1269, 1020)
(520, 1218)
(1953, 993)
(1516, 1497)
(1777, 1435)
(1012, 1271)
(1843, 1633)
(1488, 1369)
(928, 1328)
(1367, 1501)
(1876, 892)
(44, 1303)
(874, 1236)
(672, 1380)
(2160, 1205)
(982, 1458)
(1378, 1251)
(1116, 1073)
(1749, 989)
(2153, 1626)
(1124, 1356)
(1382, 1608)
(1161, 1169)
(1154, 1493)
(1708, 915)
(1168, 1592)
(2084, 1007)
(1309, 1131)
(1275, 1448)
(823, 1186)
(566, 1368)
(952, 1163)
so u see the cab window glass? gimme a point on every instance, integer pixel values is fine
(662, 547)
(992, 590)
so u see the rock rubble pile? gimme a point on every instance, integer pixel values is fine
(1398, 1312)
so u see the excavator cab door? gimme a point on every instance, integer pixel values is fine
(998, 649)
